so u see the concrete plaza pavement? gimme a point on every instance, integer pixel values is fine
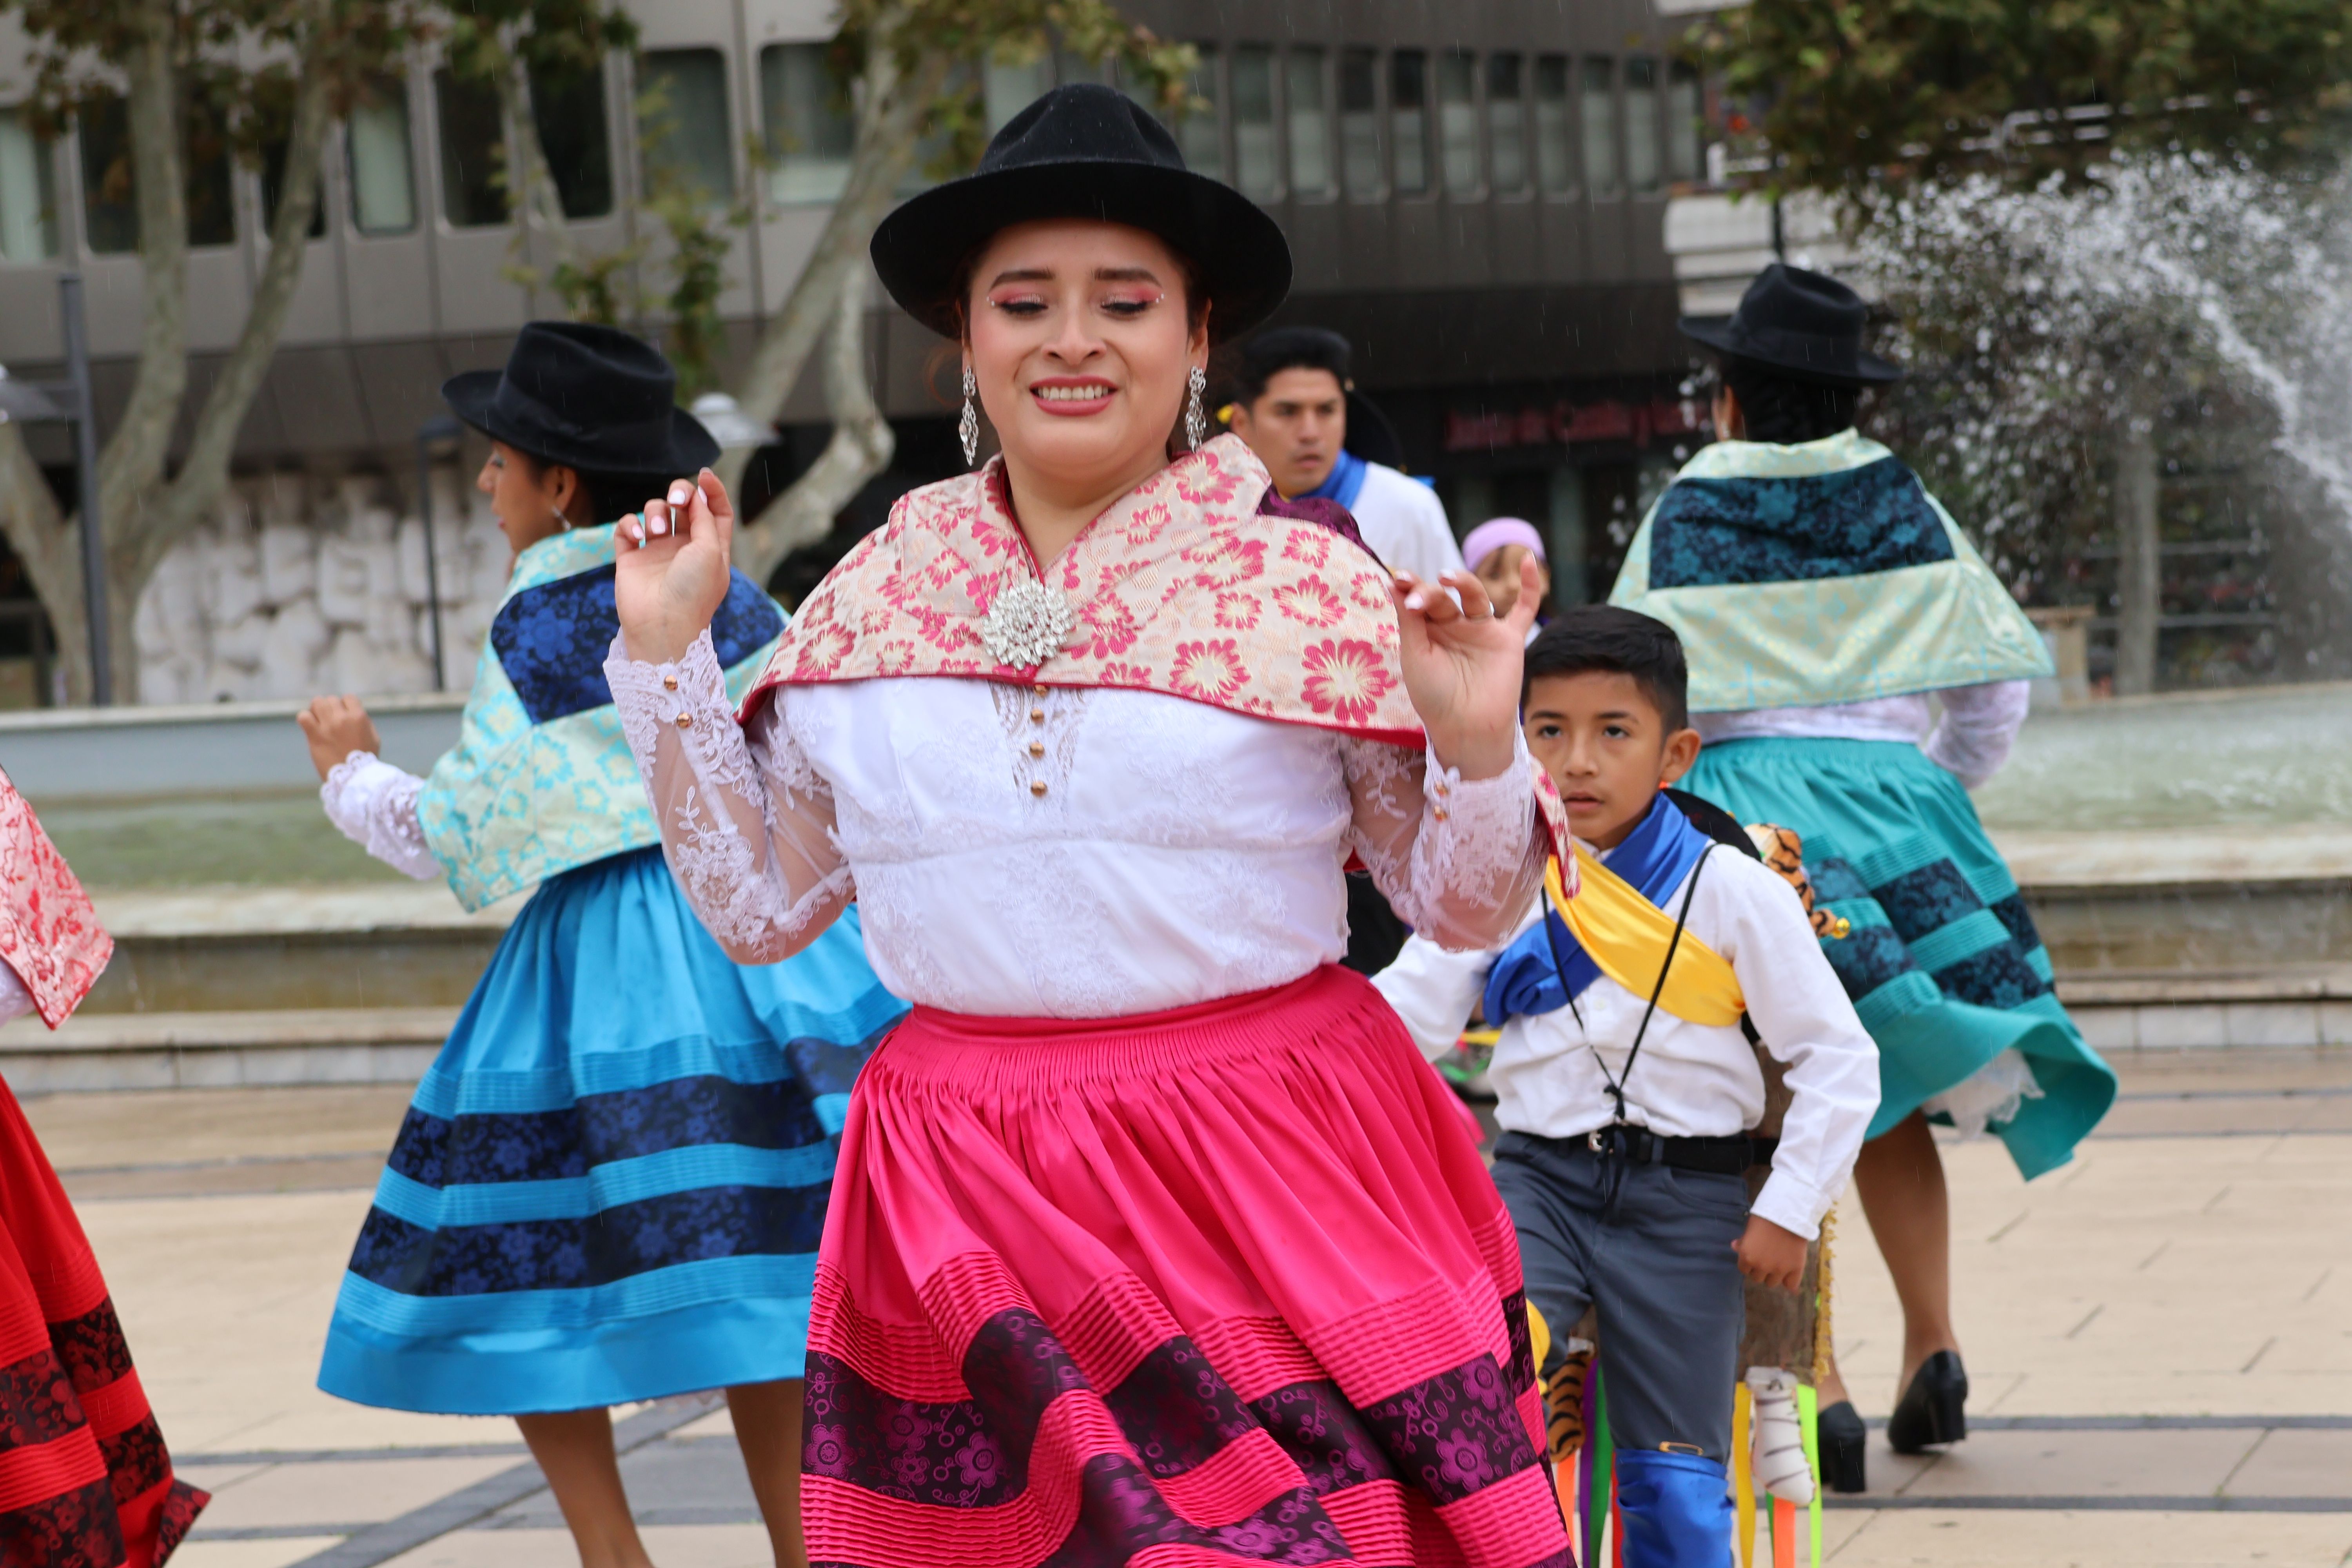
(2160, 1340)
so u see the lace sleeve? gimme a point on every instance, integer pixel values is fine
(374, 804)
(1979, 725)
(746, 821)
(1459, 861)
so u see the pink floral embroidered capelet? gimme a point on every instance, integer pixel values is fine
(1185, 586)
(49, 933)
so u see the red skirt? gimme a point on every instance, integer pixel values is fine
(85, 1481)
(1222, 1285)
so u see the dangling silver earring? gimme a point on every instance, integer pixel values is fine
(559, 517)
(968, 427)
(1196, 417)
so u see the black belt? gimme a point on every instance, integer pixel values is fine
(1729, 1156)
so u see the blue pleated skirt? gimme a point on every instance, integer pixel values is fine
(1943, 962)
(610, 1182)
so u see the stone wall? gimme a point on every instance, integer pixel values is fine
(302, 586)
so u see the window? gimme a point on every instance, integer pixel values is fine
(473, 186)
(384, 183)
(1506, 123)
(1645, 160)
(1599, 99)
(1311, 124)
(807, 112)
(1408, 117)
(1457, 122)
(682, 124)
(273, 187)
(568, 110)
(1257, 168)
(1555, 134)
(1685, 125)
(110, 208)
(1007, 89)
(1359, 124)
(28, 194)
(1198, 135)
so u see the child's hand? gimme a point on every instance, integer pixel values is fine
(336, 727)
(1769, 1255)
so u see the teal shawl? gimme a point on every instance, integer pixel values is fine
(542, 780)
(1800, 576)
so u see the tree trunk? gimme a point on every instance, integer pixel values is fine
(133, 458)
(889, 122)
(197, 489)
(2139, 569)
(861, 448)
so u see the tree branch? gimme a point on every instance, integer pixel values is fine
(890, 116)
(537, 202)
(861, 448)
(201, 478)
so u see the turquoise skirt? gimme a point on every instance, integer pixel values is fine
(611, 1184)
(1943, 962)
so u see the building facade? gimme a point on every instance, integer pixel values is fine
(1476, 193)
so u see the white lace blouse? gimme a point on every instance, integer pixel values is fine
(1051, 852)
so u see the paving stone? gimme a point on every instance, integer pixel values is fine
(2001, 1538)
(2296, 1464)
(277, 1553)
(342, 1492)
(2183, 1464)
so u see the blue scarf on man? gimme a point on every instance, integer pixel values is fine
(1653, 858)
(1343, 483)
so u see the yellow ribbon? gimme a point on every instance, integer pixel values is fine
(1627, 937)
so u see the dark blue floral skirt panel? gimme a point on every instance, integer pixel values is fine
(610, 1182)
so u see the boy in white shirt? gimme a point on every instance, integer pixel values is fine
(1626, 1091)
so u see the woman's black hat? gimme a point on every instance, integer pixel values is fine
(1800, 324)
(1084, 151)
(591, 398)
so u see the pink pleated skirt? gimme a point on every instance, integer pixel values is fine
(1222, 1285)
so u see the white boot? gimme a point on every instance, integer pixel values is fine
(1778, 1441)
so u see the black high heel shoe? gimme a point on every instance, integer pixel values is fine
(1842, 1440)
(1931, 1410)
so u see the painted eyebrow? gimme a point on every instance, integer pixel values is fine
(1102, 275)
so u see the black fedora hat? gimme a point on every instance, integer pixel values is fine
(1806, 326)
(589, 397)
(1088, 151)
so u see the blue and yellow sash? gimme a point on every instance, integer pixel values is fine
(1802, 576)
(542, 780)
(1615, 926)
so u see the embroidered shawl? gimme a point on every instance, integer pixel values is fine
(542, 780)
(1803, 576)
(1185, 586)
(49, 933)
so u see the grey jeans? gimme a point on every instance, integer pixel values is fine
(1650, 1247)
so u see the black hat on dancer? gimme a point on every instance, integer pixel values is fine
(589, 397)
(1086, 151)
(1798, 324)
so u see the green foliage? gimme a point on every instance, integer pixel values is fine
(1856, 95)
(235, 61)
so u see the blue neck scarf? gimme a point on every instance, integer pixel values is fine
(1654, 858)
(1343, 483)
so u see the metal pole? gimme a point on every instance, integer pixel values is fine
(432, 565)
(93, 540)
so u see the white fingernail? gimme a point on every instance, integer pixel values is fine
(680, 493)
(1413, 601)
(659, 526)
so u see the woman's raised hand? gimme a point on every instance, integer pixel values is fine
(673, 567)
(1462, 665)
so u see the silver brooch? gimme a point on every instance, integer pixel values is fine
(1026, 626)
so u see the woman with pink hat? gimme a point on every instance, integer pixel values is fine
(1497, 549)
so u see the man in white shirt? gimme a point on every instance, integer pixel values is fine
(1626, 1099)
(1295, 406)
